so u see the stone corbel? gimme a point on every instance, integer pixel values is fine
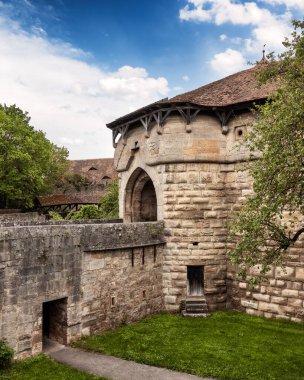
(146, 121)
(160, 118)
(188, 117)
(124, 130)
(224, 117)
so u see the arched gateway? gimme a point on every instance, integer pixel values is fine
(140, 198)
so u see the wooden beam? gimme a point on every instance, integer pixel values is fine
(224, 117)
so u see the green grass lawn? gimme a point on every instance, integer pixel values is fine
(42, 368)
(227, 345)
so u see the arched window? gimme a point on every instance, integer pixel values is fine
(140, 198)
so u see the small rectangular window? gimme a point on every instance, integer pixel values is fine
(112, 301)
(132, 257)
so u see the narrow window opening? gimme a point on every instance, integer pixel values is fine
(154, 253)
(143, 256)
(112, 301)
(132, 258)
(144, 294)
(195, 243)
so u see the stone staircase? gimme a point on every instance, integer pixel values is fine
(195, 306)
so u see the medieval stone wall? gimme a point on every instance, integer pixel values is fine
(21, 217)
(188, 165)
(195, 214)
(98, 275)
(198, 178)
(282, 296)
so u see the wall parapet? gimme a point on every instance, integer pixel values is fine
(42, 222)
(70, 279)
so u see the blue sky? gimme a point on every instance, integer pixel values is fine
(76, 64)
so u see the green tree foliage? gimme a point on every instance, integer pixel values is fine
(71, 182)
(109, 207)
(6, 354)
(271, 220)
(29, 163)
(86, 212)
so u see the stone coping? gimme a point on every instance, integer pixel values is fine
(60, 222)
(127, 246)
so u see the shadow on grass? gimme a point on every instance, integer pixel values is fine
(227, 345)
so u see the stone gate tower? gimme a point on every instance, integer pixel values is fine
(177, 161)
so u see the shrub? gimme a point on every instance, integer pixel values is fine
(55, 216)
(86, 212)
(6, 354)
(109, 206)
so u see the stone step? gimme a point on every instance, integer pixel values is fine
(194, 310)
(196, 307)
(196, 303)
(195, 315)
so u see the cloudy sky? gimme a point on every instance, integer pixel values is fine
(75, 65)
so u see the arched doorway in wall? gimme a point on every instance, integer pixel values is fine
(140, 198)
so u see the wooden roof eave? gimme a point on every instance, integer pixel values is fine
(158, 113)
(135, 116)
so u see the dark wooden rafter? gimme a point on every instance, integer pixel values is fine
(124, 130)
(146, 122)
(61, 208)
(224, 117)
(115, 133)
(121, 130)
(188, 114)
(158, 116)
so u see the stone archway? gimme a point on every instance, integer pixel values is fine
(140, 198)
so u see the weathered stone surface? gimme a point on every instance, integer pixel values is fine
(70, 267)
(300, 274)
(269, 307)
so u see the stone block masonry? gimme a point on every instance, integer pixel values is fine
(64, 280)
(199, 181)
(282, 296)
(195, 217)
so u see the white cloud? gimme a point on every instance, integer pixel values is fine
(228, 62)
(195, 14)
(129, 81)
(298, 4)
(71, 141)
(185, 78)
(265, 27)
(222, 11)
(66, 97)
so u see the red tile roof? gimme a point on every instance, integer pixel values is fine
(67, 199)
(241, 87)
(100, 168)
(236, 89)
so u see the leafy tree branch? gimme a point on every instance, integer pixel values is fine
(270, 221)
